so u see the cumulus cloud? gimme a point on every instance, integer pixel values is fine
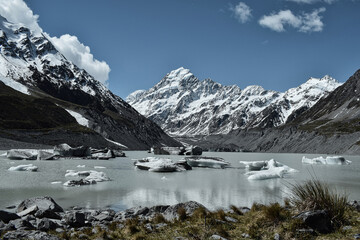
(78, 53)
(242, 12)
(16, 11)
(313, 1)
(305, 22)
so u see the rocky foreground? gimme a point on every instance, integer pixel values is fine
(43, 218)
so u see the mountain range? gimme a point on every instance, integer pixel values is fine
(30, 63)
(183, 105)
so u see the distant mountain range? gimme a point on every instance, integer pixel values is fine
(65, 96)
(183, 105)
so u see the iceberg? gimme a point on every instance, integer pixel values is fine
(271, 169)
(91, 177)
(28, 167)
(329, 160)
(255, 165)
(20, 154)
(208, 162)
(154, 164)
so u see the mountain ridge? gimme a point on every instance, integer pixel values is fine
(29, 62)
(184, 105)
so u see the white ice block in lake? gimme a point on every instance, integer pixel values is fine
(26, 167)
(154, 164)
(207, 162)
(329, 160)
(271, 169)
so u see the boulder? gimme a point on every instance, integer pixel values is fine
(22, 224)
(107, 215)
(17, 154)
(6, 217)
(75, 219)
(47, 214)
(318, 220)
(30, 210)
(43, 203)
(171, 212)
(46, 224)
(355, 205)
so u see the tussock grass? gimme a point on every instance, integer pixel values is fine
(317, 195)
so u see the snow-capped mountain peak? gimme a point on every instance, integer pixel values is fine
(184, 105)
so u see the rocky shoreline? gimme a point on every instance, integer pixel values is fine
(43, 218)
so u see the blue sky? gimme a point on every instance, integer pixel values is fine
(142, 40)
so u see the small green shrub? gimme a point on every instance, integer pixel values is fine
(316, 195)
(274, 212)
(236, 210)
(256, 207)
(159, 218)
(220, 214)
(182, 214)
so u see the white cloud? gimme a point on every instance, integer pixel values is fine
(242, 12)
(78, 53)
(16, 11)
(306, 22)
(313, 1)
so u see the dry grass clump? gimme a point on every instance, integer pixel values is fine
(316, 195)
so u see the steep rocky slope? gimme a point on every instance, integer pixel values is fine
(183, 105)
(30, 63)
(331, 126)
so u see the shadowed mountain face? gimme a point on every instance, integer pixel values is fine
(183, 105)
(31, 64)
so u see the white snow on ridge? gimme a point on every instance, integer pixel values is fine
(184, 105)
(79, 118)
(15, 85)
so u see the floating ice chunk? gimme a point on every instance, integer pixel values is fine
(28, 167)
(99, 167)
(255, 165)
(271, 169)
(91, 177)
(20, 154)
(330, 160)
(154, 164)
(208, 162)
(56, 182)
(80, 166)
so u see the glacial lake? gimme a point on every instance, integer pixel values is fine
(215, 188)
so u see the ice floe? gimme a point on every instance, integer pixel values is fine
(330, 160)
(208, 162)
(91, 177)
(154, 164)
(271, 169)
(26, 167)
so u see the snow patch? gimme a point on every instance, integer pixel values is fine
(79, 118)
(15, 85)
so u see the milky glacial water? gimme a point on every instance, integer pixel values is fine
(215, 188)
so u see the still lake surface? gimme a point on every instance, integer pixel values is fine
(215, 188)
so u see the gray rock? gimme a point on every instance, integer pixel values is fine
(46, 225)
(107, 215)
(160, 225)
(244, 209)
(2, 225)
(6, 217)
(47, 214)
(75, 219)
(345, 228)
(171, 212)
(148, 227)
(30, 210)
(217, 237)
(355, 205)
(276, 236)
(357, 236)
(22, 224)
(43, 203)
(230, 219)
(245, 235)
(318, 220)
